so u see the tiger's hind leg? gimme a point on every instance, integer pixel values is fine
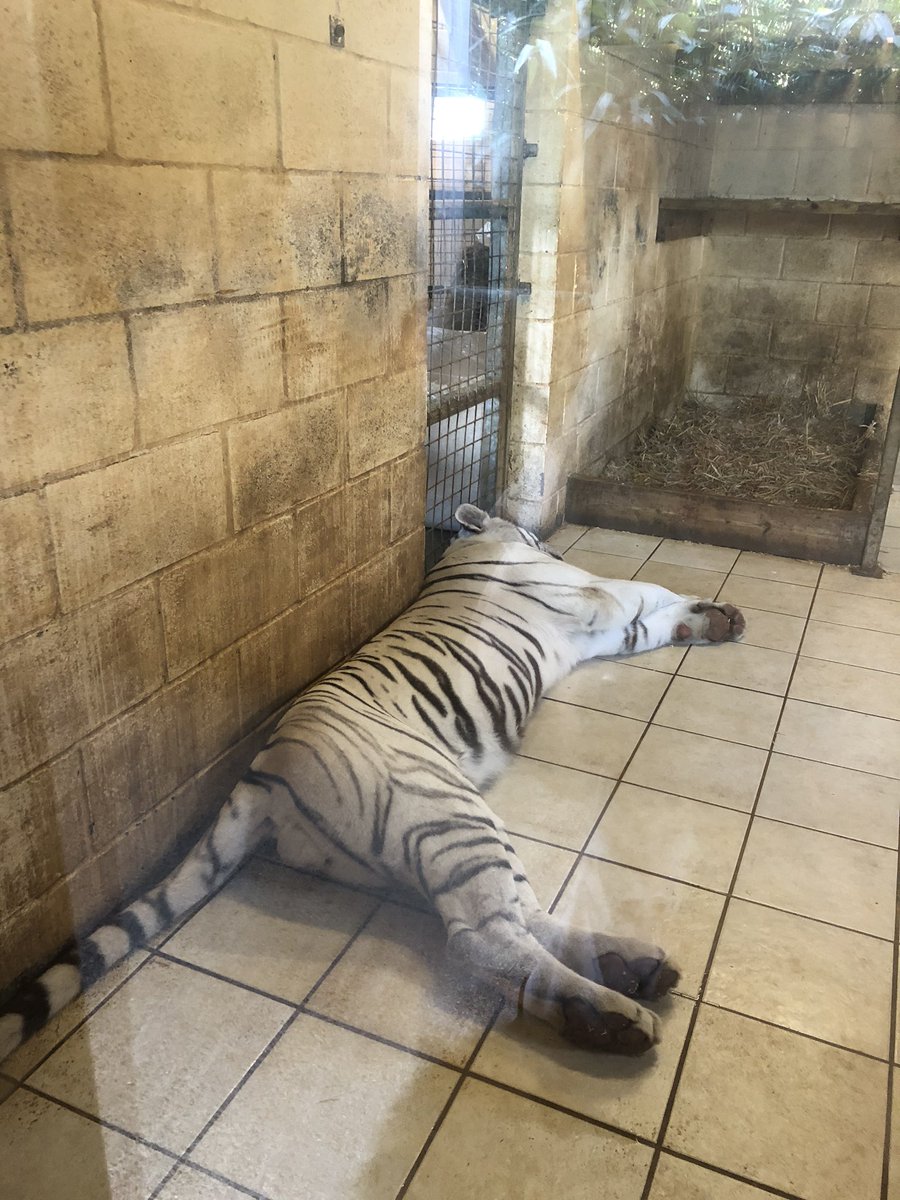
(488, 932)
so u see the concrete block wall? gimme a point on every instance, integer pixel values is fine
(605, 340)
(804, 299)
(212, 381)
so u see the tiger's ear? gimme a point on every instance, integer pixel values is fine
(471, 518)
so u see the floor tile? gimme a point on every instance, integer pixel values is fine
(724, 712)
(743, 666)
(629, 1093)
(695, 842)
(272, 928)
(566, 536)
(889, 559)
(613, 899)
(676, 1179)
(832, 799)
(844, 739)
(702, 768)
(774, 631)
(581, 738)
(857, 647)
(396, 981)
(494, 1144)
(545, 866)
(684, 581)
(694, 554)
(854, 688)
(612, 541)
(353, 1129)
(604, 566)
(839, 579)
(554, 804)
(781, 1108)
(767, 594)
(7, 1087)
(862, 612)
(188, 1184)
(50, 1153)
(818, 875)
(154, 1060)
(827, 982)
(612, 687)
(30, 1053)
(666, 659)
(781, 570)
(893, 511)
(890, 538)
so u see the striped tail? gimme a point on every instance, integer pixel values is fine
(234, 834)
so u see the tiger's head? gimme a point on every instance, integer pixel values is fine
(475, 521)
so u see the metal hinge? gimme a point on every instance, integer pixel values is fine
(522, 290)
(530, 150)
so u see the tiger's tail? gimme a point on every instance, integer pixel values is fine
(235, 833)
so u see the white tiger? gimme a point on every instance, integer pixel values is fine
(374, 775)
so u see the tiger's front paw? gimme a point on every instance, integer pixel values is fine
(707, 622)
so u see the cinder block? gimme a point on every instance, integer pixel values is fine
(540, 219)
(842, 303)
(50, 90)
(409, 123)
(308, 20)
(389, 32)
(334, 337)
(384, 227)
(408, 567)
(823, 126)
(27, 582)
(407, 493)
(533, 350)
(189, 90)
(43, 830)
(754, 173)
(66, 400)
(137, 760)
(737, 129)
(287, 457)
(806, 342)
(763, 377)
(221, 594)
(744, 257)
(858, 227)
(368, 501)
(570, 345)
(197, 367)
(386, 419)
(884, 308)
(840, 174)
(872, 347)
(373, 601)
(874, 385)
(407, 317)
(293, 650)
(884, 178)
(58, 684)
(877, 262)
(122, 522)
(776, 299)
(819, 259)
(7, 293)
(276, 232)
(876, 126)
(707, 373)
(835, 380)
(320, 532)
(334, 109)
(95, 238)
(732, 335)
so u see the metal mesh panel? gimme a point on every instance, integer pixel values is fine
(475, 194)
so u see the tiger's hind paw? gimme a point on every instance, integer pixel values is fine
(650, 978)
(707, 622)
(614, 1032)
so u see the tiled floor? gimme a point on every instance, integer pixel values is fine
(740, 804)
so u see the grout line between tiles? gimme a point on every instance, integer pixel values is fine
(892, 1042)
(685, 1049)
(766, 1189)
(262, 1056)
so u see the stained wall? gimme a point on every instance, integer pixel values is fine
(211, 407)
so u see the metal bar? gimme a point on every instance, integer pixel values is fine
(890, 450)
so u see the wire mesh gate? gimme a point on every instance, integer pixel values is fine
(476, 180)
